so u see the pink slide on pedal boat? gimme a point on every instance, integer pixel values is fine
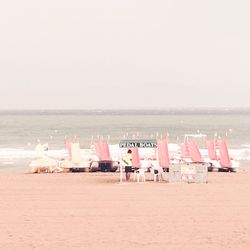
(163, 154)
(105, 163)
(223, 162)
(226, 162)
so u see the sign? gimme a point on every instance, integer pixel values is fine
(138, 144)
(188, 172)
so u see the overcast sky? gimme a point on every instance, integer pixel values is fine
(58, 54)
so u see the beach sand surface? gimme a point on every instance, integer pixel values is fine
(94, 211)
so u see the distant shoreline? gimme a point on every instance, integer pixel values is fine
(170, 111)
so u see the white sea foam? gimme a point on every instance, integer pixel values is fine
(6, 154)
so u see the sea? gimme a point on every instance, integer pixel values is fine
(22, 130)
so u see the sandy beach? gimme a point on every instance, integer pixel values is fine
(94, 211)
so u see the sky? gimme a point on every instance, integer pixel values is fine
(133, 54)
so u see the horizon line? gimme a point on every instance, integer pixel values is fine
(153, 111)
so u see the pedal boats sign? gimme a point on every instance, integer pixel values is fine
(138, 143)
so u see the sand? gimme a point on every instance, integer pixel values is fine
(93, 211)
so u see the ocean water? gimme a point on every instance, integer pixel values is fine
(20, 131)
